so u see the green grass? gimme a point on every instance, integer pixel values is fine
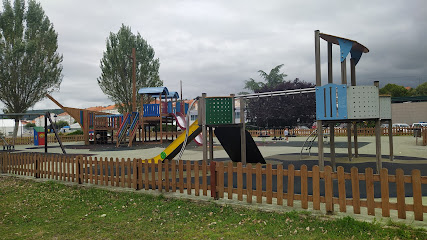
(34, 210)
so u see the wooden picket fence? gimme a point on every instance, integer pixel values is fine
(50, 138)
(397, 131)
(260, 182)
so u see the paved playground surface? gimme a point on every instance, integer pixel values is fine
(405, 150)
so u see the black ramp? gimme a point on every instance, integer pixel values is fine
(229, 137)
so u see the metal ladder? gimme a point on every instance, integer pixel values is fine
(309, 141)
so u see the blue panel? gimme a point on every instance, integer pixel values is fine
(345, 47)
(186, 108)
(328, 106)
(170, 109)
(151, 110)
(356, 55)
(36, 138)
(331, 102)
(81, 118)
(334, 100)
(342, 101)
(178, 107)
(320, 105)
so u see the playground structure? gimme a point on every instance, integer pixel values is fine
(335, 103)
(100, 127)
(340, 103)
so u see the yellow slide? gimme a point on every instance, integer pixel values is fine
(173, 149)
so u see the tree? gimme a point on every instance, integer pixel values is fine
(116, 66)
(272, 79)
(60, 124)
(394, 90)
(29, 125)
(421, 90)
(30, 65)
(281, 111)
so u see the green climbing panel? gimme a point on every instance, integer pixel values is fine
(219, 110)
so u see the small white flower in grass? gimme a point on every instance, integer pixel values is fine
(103, 215)
(307, 228)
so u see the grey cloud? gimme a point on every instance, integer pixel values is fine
(213, 46)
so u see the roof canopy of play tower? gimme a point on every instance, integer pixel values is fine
(157, 91)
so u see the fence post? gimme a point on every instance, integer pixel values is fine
(213, 180)
(417, 194)
(2, 163)
(78, 170)
(328, 190)
(137, 174)
(37, 166)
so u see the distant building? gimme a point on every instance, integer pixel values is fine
(7, 126)
(409, 109)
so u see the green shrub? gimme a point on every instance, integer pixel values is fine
(78, 132)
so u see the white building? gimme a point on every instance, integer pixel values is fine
(7, 126)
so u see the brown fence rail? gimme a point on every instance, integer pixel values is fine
(397, 131)
(51, 139)
(259, 183)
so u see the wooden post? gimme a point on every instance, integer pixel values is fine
(349, 141)
(400, 193)
(45, 133)
(242, 131)
(417, 194)
(79, 170)
(331, 125)
(133, 80)
(211, 153)
(353, 83)
(344, 72)
(213, 180)
(161, 118)
(85, 127)
(378, 138)
(37, 166)
(353, 72)
(204, 127)
(356, 145)
(318, 83)
(141, 120)
(330, 78)
(390, 139)
(332, 146)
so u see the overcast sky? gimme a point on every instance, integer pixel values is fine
(214, 46)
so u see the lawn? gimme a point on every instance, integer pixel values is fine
(34, 210)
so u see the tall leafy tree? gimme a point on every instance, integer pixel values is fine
(394, 90)
(421, 90)
(271, 80)
(281, 111)
(116, 66)
(30, 65)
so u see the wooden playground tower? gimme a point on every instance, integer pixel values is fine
(100, 127)
(340, 103)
